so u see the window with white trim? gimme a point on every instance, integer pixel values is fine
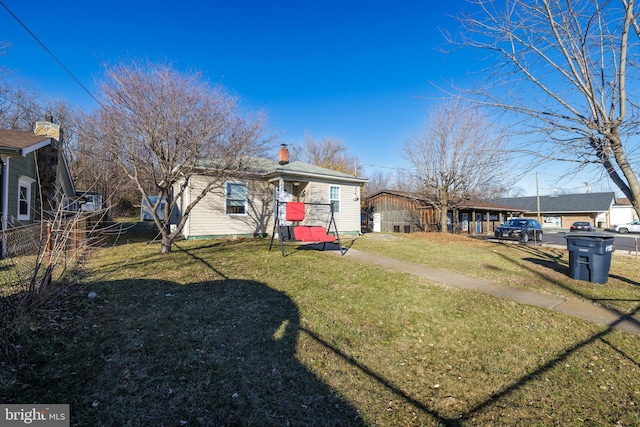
(334, 198)
(24, 198)
(237, 196)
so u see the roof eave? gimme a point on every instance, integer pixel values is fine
(10, 151)
(282, 173)
(35, 147)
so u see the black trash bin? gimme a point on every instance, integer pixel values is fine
(590, 256)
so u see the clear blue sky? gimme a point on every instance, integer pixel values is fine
(361, 72)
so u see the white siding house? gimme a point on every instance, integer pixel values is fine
(622, 212)
(244, 205)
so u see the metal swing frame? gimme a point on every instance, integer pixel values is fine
(306, 234)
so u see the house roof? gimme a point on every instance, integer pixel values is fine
(20, 143)
(309, 171)
(622, 201)
(563, 203)
(468, 204)
(271, 170)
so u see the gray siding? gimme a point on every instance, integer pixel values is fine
(20, 166)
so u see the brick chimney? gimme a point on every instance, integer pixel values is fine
(283, 155)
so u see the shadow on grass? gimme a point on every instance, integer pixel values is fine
(487, 402)
(151, 352)
(291, 247)
(540, 370)
(554, 265)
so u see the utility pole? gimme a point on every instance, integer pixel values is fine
(538, 198)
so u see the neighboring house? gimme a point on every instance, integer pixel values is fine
(562, 210)
(405, 212)
(146, 214)
(34, 177)
(244, 206)
(622, 212)
(89, 201)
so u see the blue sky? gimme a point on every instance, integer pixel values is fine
(361, 72)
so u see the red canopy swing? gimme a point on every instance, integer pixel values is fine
(295, 213)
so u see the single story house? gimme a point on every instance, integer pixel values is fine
(560, 211)
(245, 205)
(34, 175)
(405, 212)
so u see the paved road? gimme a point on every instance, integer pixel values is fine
(622, 242)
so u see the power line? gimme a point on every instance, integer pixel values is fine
(395, 168)
(50, 53)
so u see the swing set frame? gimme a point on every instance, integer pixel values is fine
(295, 213)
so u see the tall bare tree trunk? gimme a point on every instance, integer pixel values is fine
(444, 208)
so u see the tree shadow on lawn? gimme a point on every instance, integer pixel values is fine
(553, 262)
(151, 352)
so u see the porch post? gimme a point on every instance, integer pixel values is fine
(474, 215)
(487, 229)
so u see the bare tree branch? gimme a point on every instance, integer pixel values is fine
(561, 70)
(457, 156)
(161, 126)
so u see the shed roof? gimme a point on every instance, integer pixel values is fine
(467, 204)
(563, 203)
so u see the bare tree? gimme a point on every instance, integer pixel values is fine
(398, 180)
(94, 166)
(565, 71)
(160, 125)
(457, 156)
(379, 180)
(19, 108)
(330, 153)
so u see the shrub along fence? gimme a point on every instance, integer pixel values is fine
(35, 255)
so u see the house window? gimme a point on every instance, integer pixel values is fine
(334, 198)
(237, 196)
(24, 198)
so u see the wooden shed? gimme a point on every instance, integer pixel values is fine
(405, 212)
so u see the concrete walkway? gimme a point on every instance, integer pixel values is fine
(571, 307)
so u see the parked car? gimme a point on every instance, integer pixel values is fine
(522, 229)
(632, 227)
(581, 226)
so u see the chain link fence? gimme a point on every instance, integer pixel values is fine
(34, 257)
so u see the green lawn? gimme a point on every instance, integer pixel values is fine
(538, 268)
(229, 333)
